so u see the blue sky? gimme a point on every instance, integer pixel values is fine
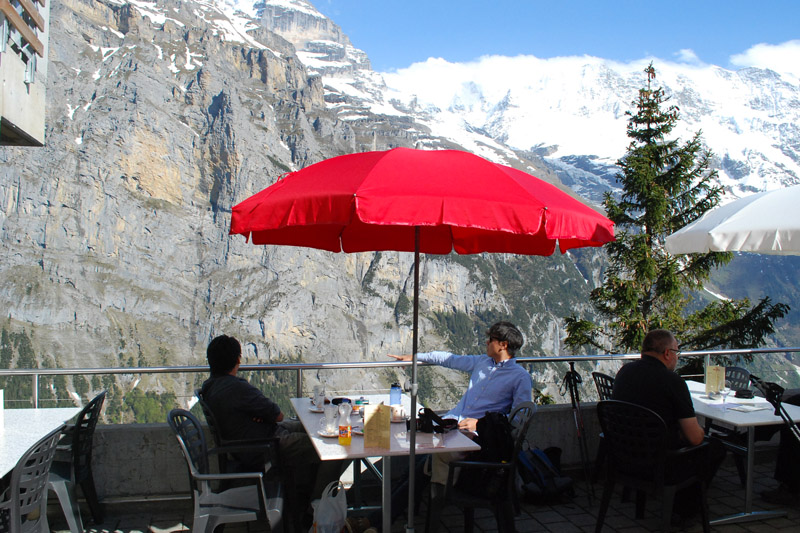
(397, 33)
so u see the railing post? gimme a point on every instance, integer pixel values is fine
(299, 384)
(36, 391)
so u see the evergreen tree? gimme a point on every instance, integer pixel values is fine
(665, 185)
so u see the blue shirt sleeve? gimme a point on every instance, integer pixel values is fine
(464, 363)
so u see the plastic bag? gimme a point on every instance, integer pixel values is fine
(330, 512)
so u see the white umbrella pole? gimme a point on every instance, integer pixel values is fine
(413, 414)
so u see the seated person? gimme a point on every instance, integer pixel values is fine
(243, 412)
(652, 382)
(496, 383)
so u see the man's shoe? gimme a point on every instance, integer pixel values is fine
(783, 495)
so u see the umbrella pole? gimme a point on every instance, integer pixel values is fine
(412, 467)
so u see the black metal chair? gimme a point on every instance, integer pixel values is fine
(605, 388)
(604, 385)
(73, 466)
(23, 505)
(502, 501)
(638, 457)
(737, 377)
(246, 503)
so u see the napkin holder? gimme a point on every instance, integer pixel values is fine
(377, 426)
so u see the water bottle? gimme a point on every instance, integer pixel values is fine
(394, 394)
(345, 427)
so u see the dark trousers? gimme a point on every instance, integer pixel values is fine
(687, 501)
(787, 464)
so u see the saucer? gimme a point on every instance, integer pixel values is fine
(358, 430)
(316, 409)
(328, 435)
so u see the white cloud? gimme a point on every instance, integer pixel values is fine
(784, 58)
(687, 55)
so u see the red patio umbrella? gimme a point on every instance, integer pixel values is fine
(421, 201)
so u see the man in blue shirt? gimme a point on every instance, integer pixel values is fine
(496, 383)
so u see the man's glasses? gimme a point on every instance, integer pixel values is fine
(677, 352)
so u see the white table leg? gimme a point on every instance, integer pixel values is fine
(748, 515)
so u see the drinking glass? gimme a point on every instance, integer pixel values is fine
(319, 397)
(725, 390)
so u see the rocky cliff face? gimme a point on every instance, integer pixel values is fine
(114, 235)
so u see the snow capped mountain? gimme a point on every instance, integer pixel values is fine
(569, 108)
(570, 111)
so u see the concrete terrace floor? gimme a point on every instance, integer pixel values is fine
(726, 496)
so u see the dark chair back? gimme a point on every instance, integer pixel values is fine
(83, 435)
(192, 440)
(636, 436)
(28, 487)
(738, 377)
(604, 384)
(520, 419)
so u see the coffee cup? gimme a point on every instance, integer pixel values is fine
(398, 411)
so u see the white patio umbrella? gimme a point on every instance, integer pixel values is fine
(764, 223)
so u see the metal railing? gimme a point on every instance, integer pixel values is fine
(299, 368)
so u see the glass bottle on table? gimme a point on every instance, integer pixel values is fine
(345, 426)
(394, 394)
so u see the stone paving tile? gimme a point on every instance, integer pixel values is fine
(563, 527)
(547, 517)
(583, 519)
(725, 497)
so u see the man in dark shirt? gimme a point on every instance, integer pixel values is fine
(243, 412)
(652, 382)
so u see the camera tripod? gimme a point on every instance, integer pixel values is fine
(774, 395)
(571, 381)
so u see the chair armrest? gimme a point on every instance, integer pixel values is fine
(219, 477)
(257, 448)
(269, 441)
(688, 450)
(480, 464)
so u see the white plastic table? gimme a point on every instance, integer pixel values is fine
(330, 449)
(22, 428)
(763, 416)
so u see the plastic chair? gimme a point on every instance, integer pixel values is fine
(23, 508)
(502, 502)
(268, 448)
(638, 457)
(605, 388)
(73, 466)
(227, 461)
(239, 504)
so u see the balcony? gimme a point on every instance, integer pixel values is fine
(142, 481)
(24, 30)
